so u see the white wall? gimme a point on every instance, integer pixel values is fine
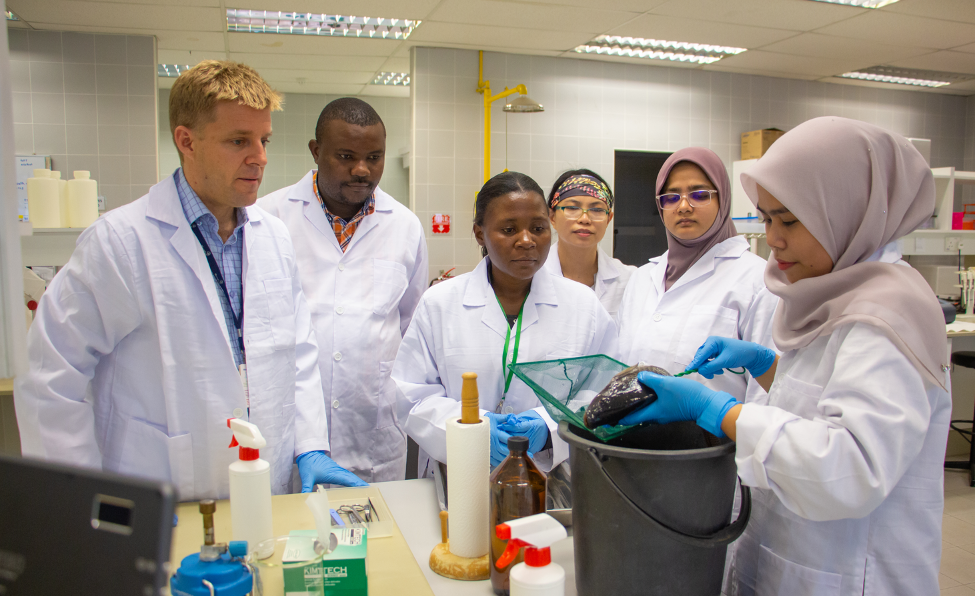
(593, 108)
(288, 153)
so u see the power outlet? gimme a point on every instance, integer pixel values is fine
(951, 244)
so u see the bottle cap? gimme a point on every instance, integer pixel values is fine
(82, 174)
(518, 443)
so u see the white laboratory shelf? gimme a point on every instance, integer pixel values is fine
(920, 242)
(48, 246)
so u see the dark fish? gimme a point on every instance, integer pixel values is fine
(622, 396)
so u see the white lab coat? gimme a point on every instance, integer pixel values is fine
(609, 283)
(131, 369)
(459, 327)
(722, 294)
(845, 459)
(361, 301)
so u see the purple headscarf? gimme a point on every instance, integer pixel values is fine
(682, 254)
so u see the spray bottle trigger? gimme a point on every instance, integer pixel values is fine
(234, 443)
(503, 531)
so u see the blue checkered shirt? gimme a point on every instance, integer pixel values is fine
(228, 255)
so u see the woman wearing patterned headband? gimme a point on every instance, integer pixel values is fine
(706, 284)
(581, 207)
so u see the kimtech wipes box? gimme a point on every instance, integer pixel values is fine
(342, 572)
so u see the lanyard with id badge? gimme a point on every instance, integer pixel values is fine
(505, 351)
(238, 319)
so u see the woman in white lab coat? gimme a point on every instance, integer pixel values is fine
(508, 309)
(581, 208)
(846, 458)
(708, 283)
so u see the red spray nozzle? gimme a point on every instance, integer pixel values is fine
(539, 531)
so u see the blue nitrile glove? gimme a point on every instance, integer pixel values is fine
(682, 400)
(727, 353)
(499, 438)
(529, 424)
(316, 467)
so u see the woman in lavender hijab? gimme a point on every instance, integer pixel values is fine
(845, 458)
(706, 284)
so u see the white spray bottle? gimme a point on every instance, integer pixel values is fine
(537, 575)
(250, 479)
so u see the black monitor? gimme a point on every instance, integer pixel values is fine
(66, 530)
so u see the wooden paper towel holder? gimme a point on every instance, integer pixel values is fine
(452, 566)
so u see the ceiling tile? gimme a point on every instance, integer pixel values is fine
(954, 62)
(965, 48)
(170, 3)
(265, 43)
(693, 30)
(274, 75)
(888, 27)
(388, 9)
(311, 62)
(961, 11)
(797, 16)
(639, 6)
(324, 88)
(510, 39)
(827, 46)
(787, 63)
(502, 13)
(396, 65)
(186, 56)
(720, 67)
(72, 14)
(190, 40)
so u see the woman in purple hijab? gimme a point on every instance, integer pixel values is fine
(706, 284)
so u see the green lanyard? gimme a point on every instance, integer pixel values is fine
(505, 348)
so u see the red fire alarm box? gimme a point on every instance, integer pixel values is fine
(440, 223)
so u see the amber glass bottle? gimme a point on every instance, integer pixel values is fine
(518, 489)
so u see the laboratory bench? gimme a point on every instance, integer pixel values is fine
(398, 565)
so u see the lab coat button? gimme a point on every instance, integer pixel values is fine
(657, 317)
(238, 413)
(337, 355)
(507, 410)
(335, 403)
(339, 310)
(341, 267)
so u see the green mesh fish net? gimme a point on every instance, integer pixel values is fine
(567, 386)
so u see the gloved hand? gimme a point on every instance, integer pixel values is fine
(727, 353)
(499, 438)
(528, 424)
(316, 467)
(682, 400)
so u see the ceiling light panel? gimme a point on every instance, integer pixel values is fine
(384, 78)
(11, 16)
(656, 49)
(860, 3)
(906, 76)
(171, 70)
(304, 23)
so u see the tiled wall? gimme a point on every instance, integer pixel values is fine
(88, 101)
(288, 153)
(593, 108)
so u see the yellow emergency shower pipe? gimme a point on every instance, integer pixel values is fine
(488, 98)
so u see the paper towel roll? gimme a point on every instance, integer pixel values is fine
(468, 488)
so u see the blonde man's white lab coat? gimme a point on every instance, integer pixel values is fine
(459, 327)
(131, 369)
(609, 283)
(361, 301)
(722, 294)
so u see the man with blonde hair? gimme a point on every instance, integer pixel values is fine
(179, 311)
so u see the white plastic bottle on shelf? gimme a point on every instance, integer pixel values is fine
(250, 478)
(82, 200)
(537, 575)
(43, 200)
(62, 197)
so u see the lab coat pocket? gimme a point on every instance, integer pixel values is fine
(798, 397)
(281, 311)
(387, 399)
(704, 321)
(389, 284)
(149, 452)
(779, 576)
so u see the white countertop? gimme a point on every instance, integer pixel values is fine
(415, 509)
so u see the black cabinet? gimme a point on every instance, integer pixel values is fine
(639, 233)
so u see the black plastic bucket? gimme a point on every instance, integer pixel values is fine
(652, 509)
